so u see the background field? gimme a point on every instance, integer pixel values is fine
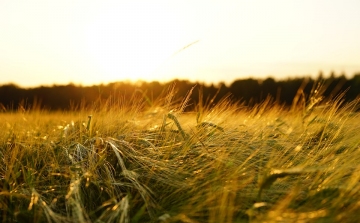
(153, 161)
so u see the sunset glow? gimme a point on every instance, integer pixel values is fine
(91, 42)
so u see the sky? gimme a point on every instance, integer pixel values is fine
(90, 42)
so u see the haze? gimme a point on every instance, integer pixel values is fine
(92, 42)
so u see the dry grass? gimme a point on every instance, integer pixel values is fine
(139, 162)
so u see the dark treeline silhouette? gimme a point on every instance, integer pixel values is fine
(247, 91)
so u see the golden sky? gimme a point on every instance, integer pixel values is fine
(45, 42)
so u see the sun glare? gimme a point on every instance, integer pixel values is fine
(132, 43)
(94, 42)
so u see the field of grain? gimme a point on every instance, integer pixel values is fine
(141, 161)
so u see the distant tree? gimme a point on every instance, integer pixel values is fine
(247, 90)
(269, 87)
(11, 96)
(354, 87)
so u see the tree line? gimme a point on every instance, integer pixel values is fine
(246, 91)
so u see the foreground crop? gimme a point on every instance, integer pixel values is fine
(158, 164)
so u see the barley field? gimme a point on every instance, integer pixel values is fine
(155, 161)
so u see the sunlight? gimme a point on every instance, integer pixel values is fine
(92, 42)
(131, 43)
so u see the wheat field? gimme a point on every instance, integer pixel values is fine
(140, 161)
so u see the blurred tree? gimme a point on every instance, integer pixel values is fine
(248, 91)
